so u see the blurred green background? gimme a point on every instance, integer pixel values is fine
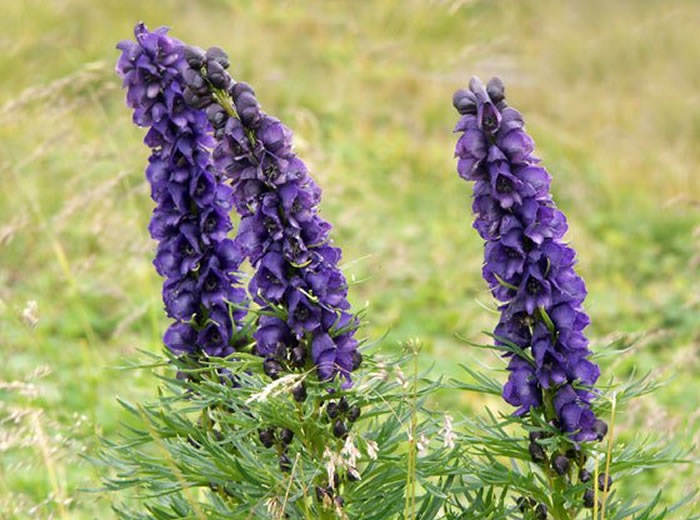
(611, 94)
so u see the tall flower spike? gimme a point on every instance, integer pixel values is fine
(201, 291)
(527, 266)
(286, 241)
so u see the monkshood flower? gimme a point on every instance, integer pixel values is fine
(281, 232)
(527, 266)
(201, 291)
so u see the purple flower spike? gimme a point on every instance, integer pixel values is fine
(527, 266)
(282, 235)
(190, 220)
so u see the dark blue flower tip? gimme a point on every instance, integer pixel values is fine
(216, 54)
(496, 90)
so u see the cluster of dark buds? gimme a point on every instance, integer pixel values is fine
(527, 266)
(327, 495)
(271, 437)
(529, 505)
(304, 319)
(202, 290)
(341, 415)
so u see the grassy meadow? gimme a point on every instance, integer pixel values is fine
(610, 92)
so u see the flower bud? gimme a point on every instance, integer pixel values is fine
(194, 56)
(600, 428)
(560, 464)
(267, 437)
(584, 475)
(537, 453)
(495, 90)
(216, 115)
(339, 429)
(195, 100)
(194, 80)
(299, 393)
(332, 410)
(298, 357)
(588, 498)
(356, 360)
(354, 413)
(541, 512)
(217, 75)
(239, 88)
(285, 463)
(525, 503)
(604, 480)
(272, 368)
(218, 55)
(536, 435)
(343, 405)
(339, 501)
(464, 101)
(286, 436)
(321, 492)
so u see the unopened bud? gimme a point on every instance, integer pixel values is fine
(218, 55)
(495, 90)
(464, 101)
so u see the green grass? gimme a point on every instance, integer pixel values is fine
(610, 93)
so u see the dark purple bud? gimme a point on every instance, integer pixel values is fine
(339, 501)
(216, 115)
(603, 481)
(240, 88)
(600, 428)
(584, 475)
(285, 463)
(267, 437)
(298, 356)
(272, 368)
(588, 498)
(343, 405)
(299, 393)
(336, 480)
(351, 477)
(339, 429)
(356, 360)
(495, 90)
(525, 503)
(354, 414)
(286, 436)
(538, 434)
(560, 464)
(218, 55)
(321, 492)
(217, 75)
(196, 100)
(541, 512)
(332, 410)
(537, 453)
(464, 101)
(194, 56)
(193, 80)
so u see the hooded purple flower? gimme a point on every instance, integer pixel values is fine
(190, 220)
(527, 266)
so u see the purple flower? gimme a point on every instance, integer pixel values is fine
(527, 266)
(190, 220)
(522, 389)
